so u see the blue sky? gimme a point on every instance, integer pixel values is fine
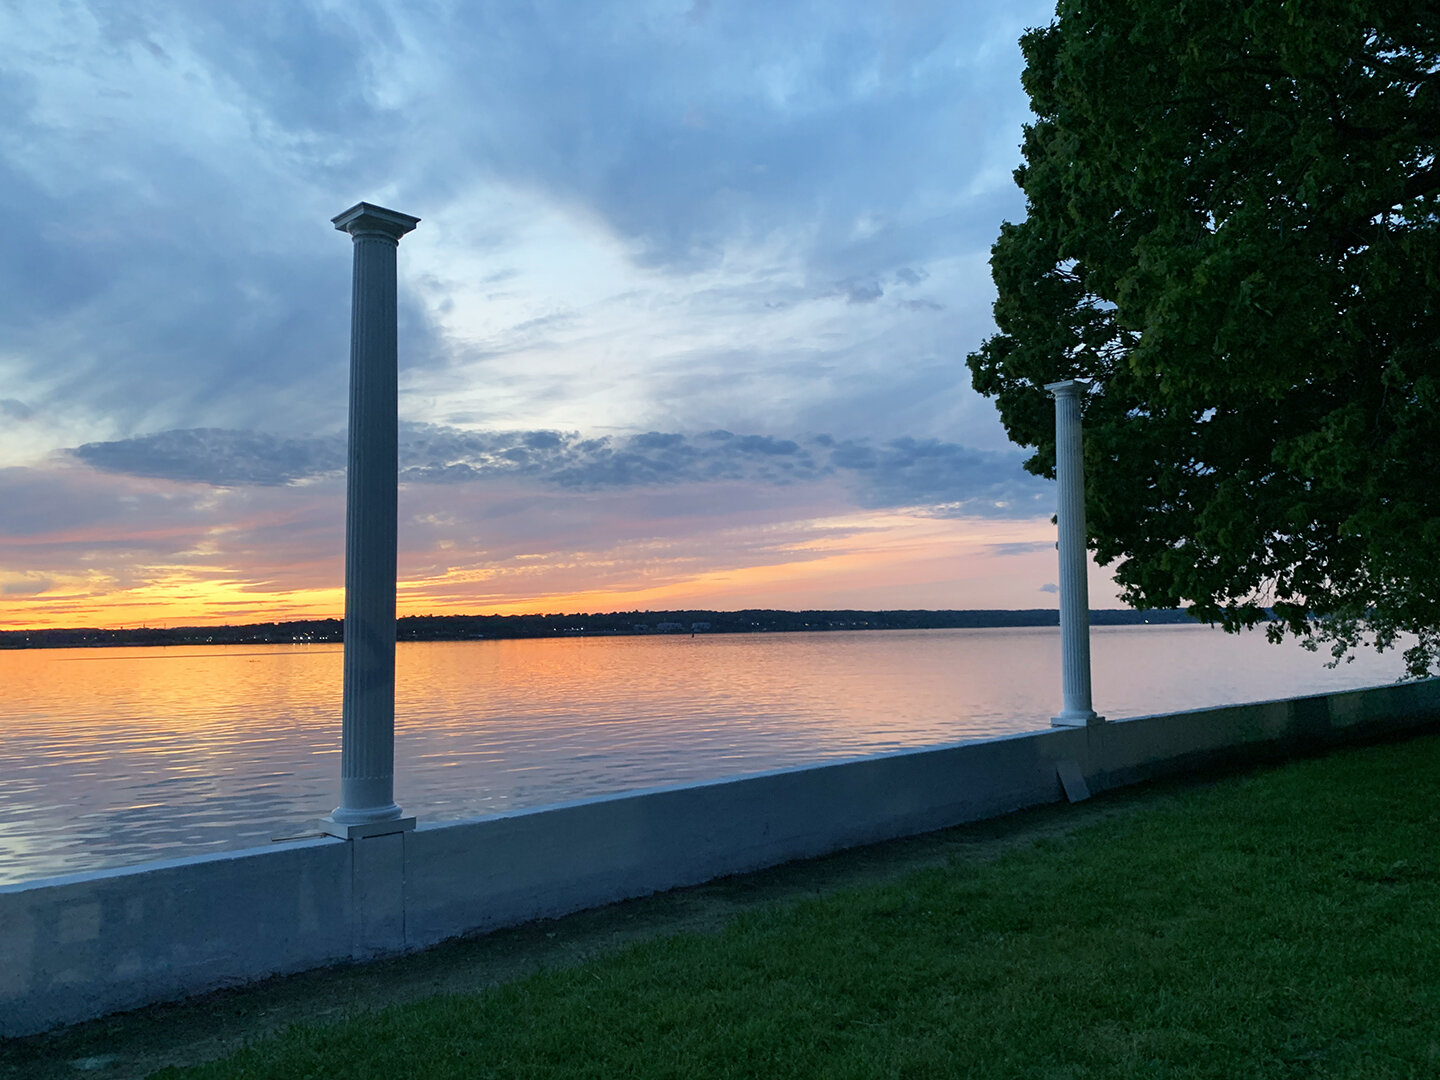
(684, 320)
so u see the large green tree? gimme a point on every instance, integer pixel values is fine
(1233, 231)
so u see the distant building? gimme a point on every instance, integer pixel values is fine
(699, 627)
(670, 627)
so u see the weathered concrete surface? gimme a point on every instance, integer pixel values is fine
(86, 944)
(83, 945)
(515, 867)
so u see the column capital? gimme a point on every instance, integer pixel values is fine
(367, 219)
(1064, 388)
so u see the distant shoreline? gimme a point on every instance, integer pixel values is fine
(627, 623)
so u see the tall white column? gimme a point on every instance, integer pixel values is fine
(1074, 585)
(367, 754)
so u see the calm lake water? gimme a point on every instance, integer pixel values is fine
(116, 756)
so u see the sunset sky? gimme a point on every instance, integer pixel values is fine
(683, 325)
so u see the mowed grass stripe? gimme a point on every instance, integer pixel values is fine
(1277, 924)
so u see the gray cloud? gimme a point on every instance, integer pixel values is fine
(216, 456)
(15, 409)
(1050, 587)
(30, 585)
(862, 292)
(1026, 548)
(950, 478)
(60, 515)
(957, 480)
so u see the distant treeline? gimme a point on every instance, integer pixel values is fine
(471, 627)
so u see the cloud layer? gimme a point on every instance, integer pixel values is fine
(944, 478)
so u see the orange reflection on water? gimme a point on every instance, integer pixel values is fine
(114, 756)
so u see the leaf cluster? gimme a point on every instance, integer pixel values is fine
(1233, 232)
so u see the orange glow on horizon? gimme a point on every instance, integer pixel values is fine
(871, 560)
(170, 601)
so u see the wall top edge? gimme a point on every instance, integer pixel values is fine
(278, 847)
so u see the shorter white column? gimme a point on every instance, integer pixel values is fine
(1074, 584)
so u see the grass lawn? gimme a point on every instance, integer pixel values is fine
(1276, 924)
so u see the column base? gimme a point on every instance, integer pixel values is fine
(1076, 719)
(359, 830)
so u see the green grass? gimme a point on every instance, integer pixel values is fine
(1278, 924)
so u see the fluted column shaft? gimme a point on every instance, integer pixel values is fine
(367, 755)
(1077, 710)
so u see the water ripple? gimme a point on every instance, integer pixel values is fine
(214, 750)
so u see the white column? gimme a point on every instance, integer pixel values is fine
(1074, 585)
(367, 753)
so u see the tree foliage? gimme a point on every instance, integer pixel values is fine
(1233, 231)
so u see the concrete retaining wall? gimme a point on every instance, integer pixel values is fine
(86, 944)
